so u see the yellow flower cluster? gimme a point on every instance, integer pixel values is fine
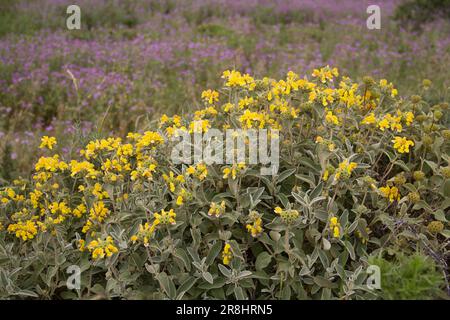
(146, 230)
(236, 79)
(24, 230)
(288, 216)
(144, 234)
(110, 169)
(174, 183)
(101, 248)
(10, 195)
(164, 217)
(210, 96)
(345, 169)
(254, 225)
(227, 255)
(216, 209)
(325, 74)
(335, 227)
(233, 170)
(391, 193)
(401, 144)
(47, 142)
(97, 213)
(200, 171)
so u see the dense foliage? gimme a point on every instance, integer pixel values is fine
(364, 179)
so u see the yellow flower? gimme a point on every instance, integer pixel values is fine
(325, 74)
(51, 164)
(199, 171)
(236, 79)
(401, 144)
(245, 102)
(144, 234)
(335, 227)
(409, 118)
(391, 193)
(288, 216)
(233, 171)
(24, 230)
(199, 126)
(216, 209)
(101, 248)
(99, 211)
(210, 96)
(227, 255)
(150, 139)
(326, 175)
(79, 210)
(81, 245)
(370, 119)
(383, 124)
(98, 191)
(331, 118)
(345, 169)
(47, 142)
(254, 225)
(165, 217)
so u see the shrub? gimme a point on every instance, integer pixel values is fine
(419, 11)
(361, 172)
(409, 277)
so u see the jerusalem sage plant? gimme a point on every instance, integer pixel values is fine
(363, 175)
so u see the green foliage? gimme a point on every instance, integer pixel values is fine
(412, 277)
(344, 193)
(417, 12)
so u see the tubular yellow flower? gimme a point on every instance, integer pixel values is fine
(288, 216)
(325, 74)
(102, 248)
(370, 119)
(227, 255)
(335, 227)
(401, 144)
(391, 193)
(210, 96)
(47, 142)
(254, 225)
(165, 217)
(331, 118)
(216, 209)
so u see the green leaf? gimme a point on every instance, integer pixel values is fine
(239, 293)
(225, 271)
(263, 260)
(185, 287)
(446, 233)
(213, 253)
(27, 293)
(446, 188)
(440, 215)
(324, 283)
(167, 285)
(208, 277)
(317, 191)
(181, 254)
(350, 249)
(326, 244)
(285, 174)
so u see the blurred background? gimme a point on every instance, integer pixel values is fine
(134, 60)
